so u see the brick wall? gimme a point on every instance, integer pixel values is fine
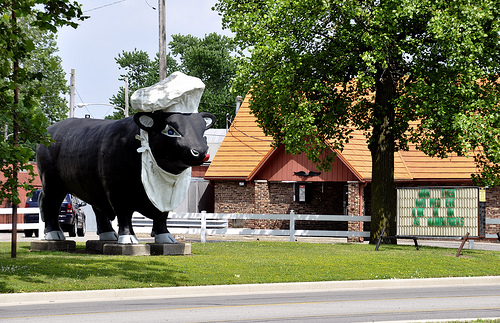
(262, 197)
(231, 198)
(493, 209)
(353, 209)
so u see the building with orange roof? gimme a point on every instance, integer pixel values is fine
(250, 176)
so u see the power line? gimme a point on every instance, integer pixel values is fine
(106, 5)
(150, 5)
(83, 101)
(78, 94)
(234, 126)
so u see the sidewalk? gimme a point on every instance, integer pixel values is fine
(213, 290)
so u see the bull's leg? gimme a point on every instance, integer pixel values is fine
(126, 233)
(161, 233)
(104, 228)
(49, 202)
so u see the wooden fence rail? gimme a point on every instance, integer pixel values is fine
(216, 223)
(204, 224)
(23, 226)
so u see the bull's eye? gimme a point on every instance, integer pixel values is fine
(170, 131)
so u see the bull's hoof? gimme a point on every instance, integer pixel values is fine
(165, 238)
(55, 236)
(128, 239)
(108, 236)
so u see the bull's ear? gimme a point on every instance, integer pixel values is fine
(144, 120)
(209, 119)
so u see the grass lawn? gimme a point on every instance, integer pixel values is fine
(235, 263)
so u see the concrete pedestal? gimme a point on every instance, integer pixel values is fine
(65, 245)
(97, 245)
(126, 249)
(170, 249)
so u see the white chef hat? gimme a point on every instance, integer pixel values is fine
(177, 93)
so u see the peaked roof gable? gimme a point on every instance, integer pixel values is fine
(246, 154)
(242, 149)
(279, 166)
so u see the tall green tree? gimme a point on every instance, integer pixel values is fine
(45, 61)
(49, 78)
(210, 58)
(401, 71)
(141, 71)
(21, 86)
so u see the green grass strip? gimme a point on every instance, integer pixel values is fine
(235, 263)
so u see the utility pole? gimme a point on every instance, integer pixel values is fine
(72, 94)
(126, 96)
(162, 17)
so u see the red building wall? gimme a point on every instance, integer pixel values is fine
(23, 178)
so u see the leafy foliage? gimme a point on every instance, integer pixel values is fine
(412, 71)
(141, 72)
(210, 59)
(45, 62)
(21, 85)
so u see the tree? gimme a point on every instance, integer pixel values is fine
(16, 45)
(141, 72)
(412, 71)
(210, 59)
(44, 60)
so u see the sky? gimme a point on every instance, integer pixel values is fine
(123, 25)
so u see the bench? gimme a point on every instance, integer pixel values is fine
(381, 237)
(414, 238)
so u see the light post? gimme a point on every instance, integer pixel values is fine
(125, 111)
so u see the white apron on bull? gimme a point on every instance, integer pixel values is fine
(177, 93)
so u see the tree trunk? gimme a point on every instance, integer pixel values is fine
(382, 151)
(15, 166)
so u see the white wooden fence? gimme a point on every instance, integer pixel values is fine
(23, 226)
(204, 224)
(216, 223)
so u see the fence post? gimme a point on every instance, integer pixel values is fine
(203, 234)
(41, 226)
(292, 226)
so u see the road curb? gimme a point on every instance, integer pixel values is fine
(214, 290)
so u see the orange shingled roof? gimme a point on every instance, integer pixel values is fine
(425, 167)
(359, 157)
(245, 148)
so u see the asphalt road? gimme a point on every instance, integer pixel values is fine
(422, 300)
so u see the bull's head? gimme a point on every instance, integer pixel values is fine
(177, 140)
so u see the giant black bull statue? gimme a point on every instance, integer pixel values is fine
(100, 161)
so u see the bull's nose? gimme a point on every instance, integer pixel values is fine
(195, 153)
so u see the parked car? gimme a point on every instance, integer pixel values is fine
(71, 216)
